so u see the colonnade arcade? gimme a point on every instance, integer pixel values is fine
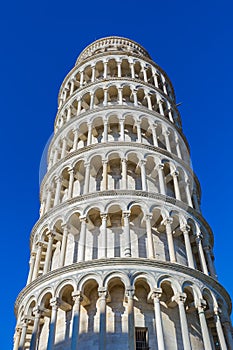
(99, 309)
(113, 94)
(115, 170)
(110, 67)
(122, 128)
(121, 231)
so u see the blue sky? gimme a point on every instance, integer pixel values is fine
(190, 40)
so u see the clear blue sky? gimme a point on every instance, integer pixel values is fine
(191, 40)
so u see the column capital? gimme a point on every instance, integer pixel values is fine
(58, 178)
(156, 293)
(102, 292)
(104, 216)
(37, 311)
(201, 304)
(126, 214)
(175, 173)
(70, 170)
(185, 228)
(167, 221)
(161, 166)
(179, 298)
(55, 302)
(77, 296)
(149, 216)
(83, 218)
(129, 293)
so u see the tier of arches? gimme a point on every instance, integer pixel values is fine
(114, 128)
(117, 94)
(121, 231)
(105, 312)
(110, 68)
(117, 170)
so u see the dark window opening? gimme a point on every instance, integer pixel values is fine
(141, 336)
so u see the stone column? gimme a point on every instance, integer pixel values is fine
(64, 244)
(144, 74)
(212, 271)
(92, 74)
(32, 265)
(48, 199)
(161, 179)
(82, 239)
(156, 80)
(198, 239)
(180, 300)
(170, 242)
(155, 140)
(105, 69)
(23, 334)
(220, 330)
(71, 183)
(188, 194)
(68, 114)
(105, 131)
(126, 215)
(104, 248)
(75, 143)
(204, 328)
(37, 262)
(119, 69)
(79, 107)
(143, 175)
(47, 264)
(71, 87)
(55, 156)
(150, 243)
(87, 178)
(122, 130)
(161, 111)
(132, 70)
(63, 150)
(228, 333)
(102, 317)
(148, 97)
(34, 339)
(81, 78)
(178, 147)
(54, 303)
(175, 175)
(77, 297)
(166, 134)
(155, 295)
(120, 96)
(124, 173)
(185, 229)
(131, 327)
(139, 135)
(89, 134)
(58, 190)
(164, 84)
(91, 100)
(17, 337)
(135, 98)
(105, 175)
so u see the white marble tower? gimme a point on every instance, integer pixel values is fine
(121, 256)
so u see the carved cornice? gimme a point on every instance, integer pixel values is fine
(126, 264)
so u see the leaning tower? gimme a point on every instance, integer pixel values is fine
(121, 256)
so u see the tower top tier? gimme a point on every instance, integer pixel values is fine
(112, 43)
